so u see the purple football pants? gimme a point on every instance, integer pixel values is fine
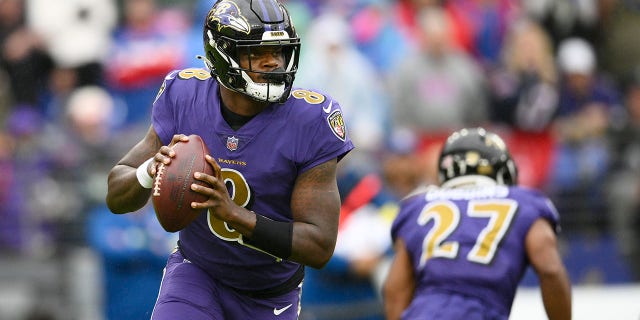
(187, 292)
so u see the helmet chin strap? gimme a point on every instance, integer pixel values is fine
(262, 91)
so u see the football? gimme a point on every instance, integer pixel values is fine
(171, 193)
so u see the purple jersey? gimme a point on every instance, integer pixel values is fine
(260, 163)
(470, 242)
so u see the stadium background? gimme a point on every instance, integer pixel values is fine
(77, 80)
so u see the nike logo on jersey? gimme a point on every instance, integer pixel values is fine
(277, 311)
(327, 109)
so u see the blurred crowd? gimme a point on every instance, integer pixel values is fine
(559, 79)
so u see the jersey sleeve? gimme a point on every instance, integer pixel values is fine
(541, 207)
(163, 111)
(325, 134)
(407, 206)
(548, 211)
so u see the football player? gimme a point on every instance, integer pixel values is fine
(274, 208)
(462, 248)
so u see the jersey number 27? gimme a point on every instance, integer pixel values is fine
(446, 218)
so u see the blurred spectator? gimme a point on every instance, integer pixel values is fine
(437, 87)
(29, 231)
(5, 94)
(566, 19)
(80, 151)
(76, 33)
(476, 26)
(408, 18)
(623, 183)
(524, 85)
(148, 44)
(587, 101)
(23, 54)
(482, 25)
(403, 168)
(60, 85)
(331, 63)
(11, 235)
(379, 35)
(617, 45)
(524, 89)
(133, 249)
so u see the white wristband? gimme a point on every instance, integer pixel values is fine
(145, 180)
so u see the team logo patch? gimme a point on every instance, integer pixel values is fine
(232, 143)
(228, 15)
(336, 123)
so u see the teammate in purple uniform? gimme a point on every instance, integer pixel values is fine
(276, 205)
(463, 247)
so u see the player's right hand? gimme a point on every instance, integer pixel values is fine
(165, 153)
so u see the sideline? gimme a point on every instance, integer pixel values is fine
(589, 302)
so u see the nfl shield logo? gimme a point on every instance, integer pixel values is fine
(232, 143)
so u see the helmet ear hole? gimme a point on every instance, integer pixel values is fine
(224, 45)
